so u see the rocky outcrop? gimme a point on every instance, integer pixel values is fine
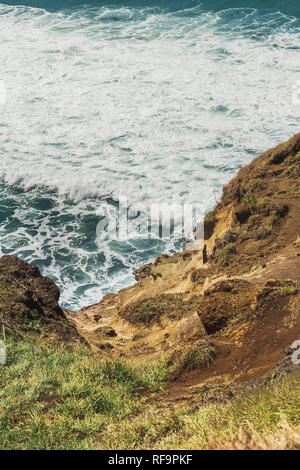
(29, 303)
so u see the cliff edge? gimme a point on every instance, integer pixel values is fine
(236, 297)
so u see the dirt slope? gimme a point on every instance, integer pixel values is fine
(242, 294)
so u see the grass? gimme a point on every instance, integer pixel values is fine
(210, 213)
(292, 164)
(256, 184)
(262, 214)
(250, 200)
(32, 325)
(150, 311)
(195, 358)
(268, 226)
(261, 413)
(54, 398)
(223, 255)
(288, 290)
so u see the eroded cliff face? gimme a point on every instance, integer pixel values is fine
(239, 292)
(223, 313)
(29, 304)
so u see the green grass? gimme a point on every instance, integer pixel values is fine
(288, 290)
(55, 398)
(249, 199)
(196, 357)
(261, 412)
(32, 325)
(52, 398)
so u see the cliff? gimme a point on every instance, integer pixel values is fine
(236, 298)
(241, 298)
(211, 329)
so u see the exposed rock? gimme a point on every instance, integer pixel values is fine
(29, 302)
(142, 272)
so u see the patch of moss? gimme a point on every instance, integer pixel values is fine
(150, 311)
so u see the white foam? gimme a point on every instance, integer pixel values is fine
(160, 107)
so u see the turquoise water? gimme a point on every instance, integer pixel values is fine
(158, 101)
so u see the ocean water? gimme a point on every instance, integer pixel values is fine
(158, 101)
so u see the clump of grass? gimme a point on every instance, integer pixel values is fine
(149, 311)
(261, 172)
(196, 357)
(292, 164)
(288, 290)
(32, 325)
(268, 226)
(250, 200)
(264, 216)
(256, 184)
(223, 255)
(230, 237)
